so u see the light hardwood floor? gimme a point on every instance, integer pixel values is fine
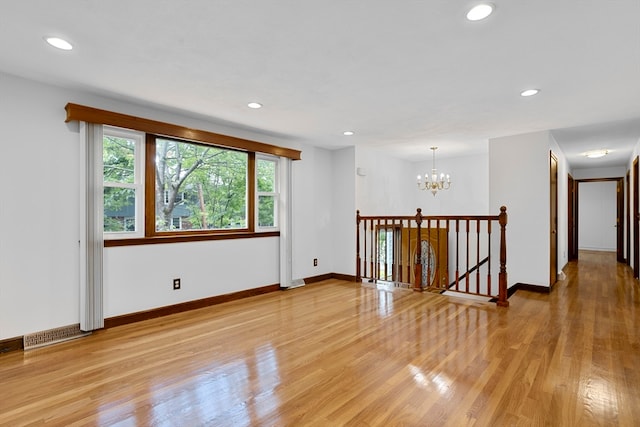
(336, 353)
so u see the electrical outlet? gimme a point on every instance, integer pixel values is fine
(176, 284)
(315, 262)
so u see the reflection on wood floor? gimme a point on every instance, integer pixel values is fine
(336, 353)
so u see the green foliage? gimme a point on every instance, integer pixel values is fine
(113, 224)
(266, 212)
(206, 187)
(266, 175)
(266, 183)
(213, 181)
(118, 159)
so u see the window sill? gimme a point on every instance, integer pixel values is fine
(187, 238)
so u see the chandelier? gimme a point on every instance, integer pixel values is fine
(433, 182)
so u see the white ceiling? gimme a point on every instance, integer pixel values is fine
(403, 75)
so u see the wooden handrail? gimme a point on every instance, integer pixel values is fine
(388, 246)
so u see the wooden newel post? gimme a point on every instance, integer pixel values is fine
(502, 276)
(358, 272)
(418, 267)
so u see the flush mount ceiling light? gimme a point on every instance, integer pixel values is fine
(59, 43)
(480, 11)
(348, 132)
(254, 105)
(596, 154)
(529, 92)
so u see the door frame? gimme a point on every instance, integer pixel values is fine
(627, 222)
(636, 230)
(572, 238)
(553, 219)
(619, 212)
(620, 220)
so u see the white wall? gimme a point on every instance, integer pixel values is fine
(597, 215)
(139, 278)
(597, 173)
(344, 211)
(39, 211)
(388, 184)
(39, 255)
(312, 213)
(469, 192)
(563, 203)
(519, 180)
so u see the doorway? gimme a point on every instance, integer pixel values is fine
(627, 221)
(594, 218)
(636, 231)
(572, 246)
(553, 219)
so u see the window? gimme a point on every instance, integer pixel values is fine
(140, 206)
(123, 182)
(197, 188)
(267, 191)
(167, 195)
(389, 247)
(204, 187)
(176, 223)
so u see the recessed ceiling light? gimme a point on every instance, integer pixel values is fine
(595, 154)
(348, 132)
(529, 92)
(480, 11)
(254, 105)
(59, 43)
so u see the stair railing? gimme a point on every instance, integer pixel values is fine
(425, 251)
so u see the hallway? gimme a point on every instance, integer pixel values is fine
(592, 344)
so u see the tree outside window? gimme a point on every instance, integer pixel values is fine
(197, 187)
(120, 182)
(204, 186)
(266, 173)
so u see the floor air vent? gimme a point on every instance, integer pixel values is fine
(53, 336)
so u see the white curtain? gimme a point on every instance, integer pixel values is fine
(91, 226)
(285, 211)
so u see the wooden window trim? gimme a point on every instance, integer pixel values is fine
(77, 112)
(150, 194)
(192, 237)
(251, 193)
(153, 129)
(149, 186)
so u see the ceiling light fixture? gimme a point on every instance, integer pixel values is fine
(59, 43)
(529, 92)
(254, 105)
(434, 183)
(348, 132)
(480, 11)
(596, 154)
